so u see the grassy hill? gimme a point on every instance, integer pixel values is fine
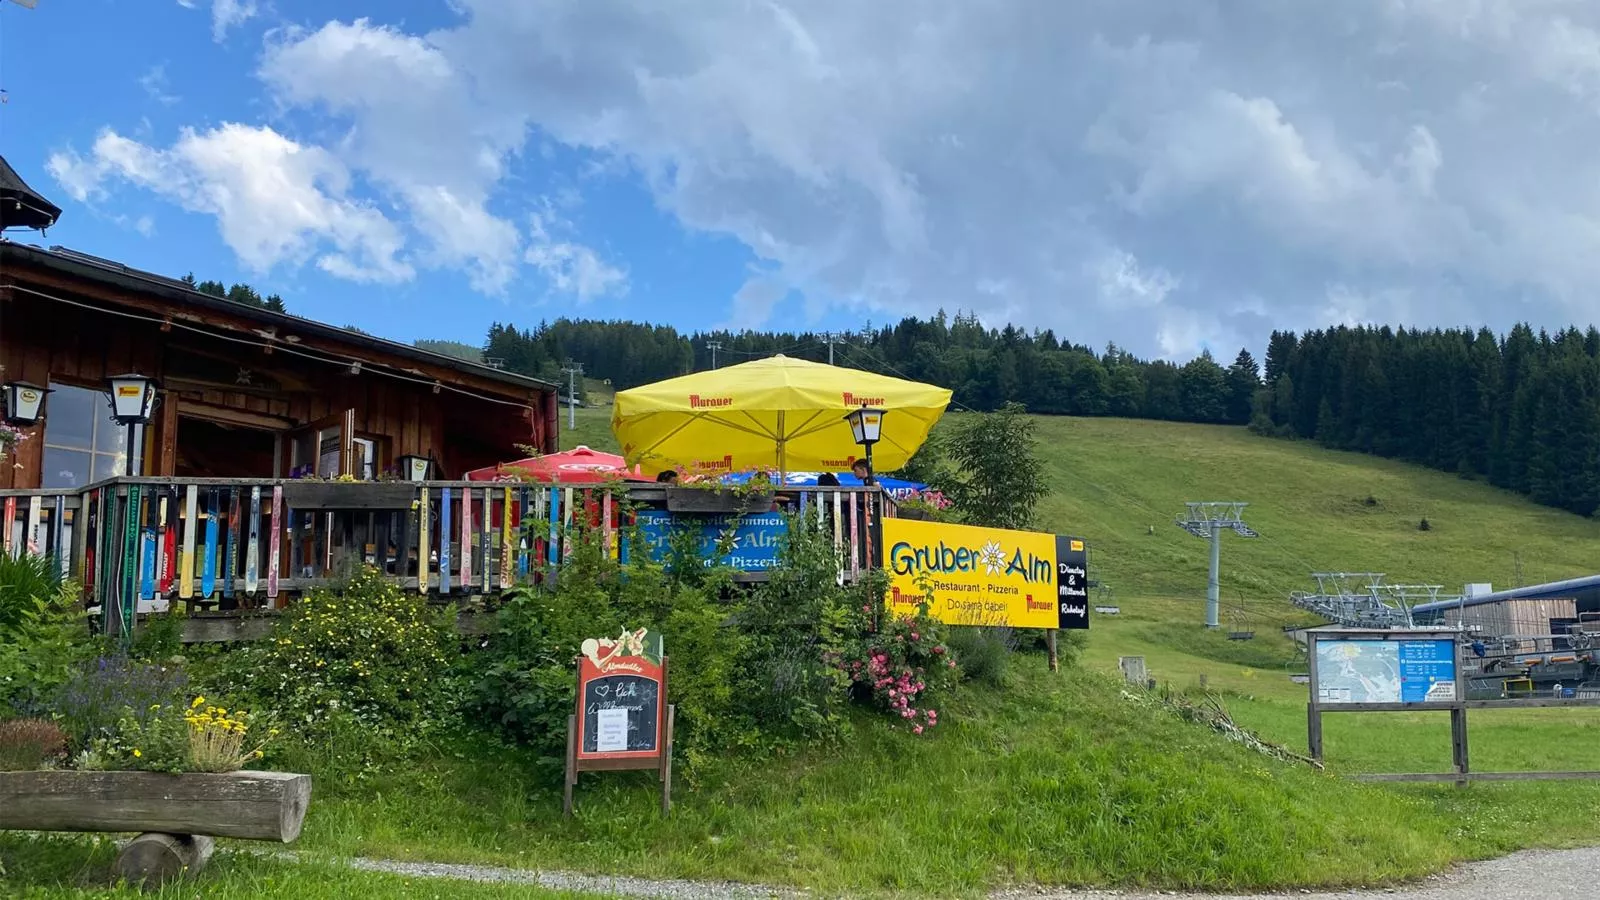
(1120, 482)
(1060, 779)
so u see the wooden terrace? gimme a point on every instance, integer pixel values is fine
(228, 554)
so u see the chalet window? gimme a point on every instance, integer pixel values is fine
(82, 444)
(366, 459)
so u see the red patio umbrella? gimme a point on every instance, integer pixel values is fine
(577, 466)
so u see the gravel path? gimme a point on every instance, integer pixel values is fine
(1548, 875)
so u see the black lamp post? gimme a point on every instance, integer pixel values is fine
(24, 402)
(133, 399)
(867, 424)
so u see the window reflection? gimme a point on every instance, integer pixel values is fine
(82, 444)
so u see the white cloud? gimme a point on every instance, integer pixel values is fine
(414, 125)
(571, 268)
(154, 82)
(275, 200)
(1155, 174)
(226, 14)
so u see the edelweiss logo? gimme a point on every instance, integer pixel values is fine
(853, 400)
(698, 402)
(991, 557)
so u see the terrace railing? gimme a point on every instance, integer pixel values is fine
(241, 548)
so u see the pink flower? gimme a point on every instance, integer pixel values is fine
(939, 650)
(917, 730)
(915, 636)
(950, 663)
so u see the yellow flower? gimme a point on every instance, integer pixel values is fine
(197, 702)
(137, 754)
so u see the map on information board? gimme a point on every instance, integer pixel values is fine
(1357, 670)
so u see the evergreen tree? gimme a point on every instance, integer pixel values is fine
(1244, 379)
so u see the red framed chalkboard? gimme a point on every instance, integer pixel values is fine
(622, 719)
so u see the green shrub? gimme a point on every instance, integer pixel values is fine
(40, 657)
(527, 680)
(983, 653)
(904, 667)
(795, 628)
(366, 654)
(28, 584)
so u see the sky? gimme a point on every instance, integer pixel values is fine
(1169, 176)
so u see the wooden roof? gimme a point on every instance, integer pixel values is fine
(112, 283)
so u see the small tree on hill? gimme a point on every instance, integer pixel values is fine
(1002, 477)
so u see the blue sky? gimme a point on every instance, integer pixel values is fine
(1168, 177)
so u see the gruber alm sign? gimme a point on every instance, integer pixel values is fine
(985, 576)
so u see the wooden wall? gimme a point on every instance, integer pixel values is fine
(48, 342)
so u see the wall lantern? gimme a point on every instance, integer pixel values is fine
(133, 399)
(867, 424)
(24, 402)
(414, 468)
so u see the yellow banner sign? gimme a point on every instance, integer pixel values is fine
(971, 576)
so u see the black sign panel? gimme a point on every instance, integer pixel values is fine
(1072, 582)
(638, 694)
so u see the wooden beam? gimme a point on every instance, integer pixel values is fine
(261, 806)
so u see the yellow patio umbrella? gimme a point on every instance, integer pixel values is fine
(780, 413)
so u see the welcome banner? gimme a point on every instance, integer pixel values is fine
(982, 576)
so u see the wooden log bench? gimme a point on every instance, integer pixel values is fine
(177, 818)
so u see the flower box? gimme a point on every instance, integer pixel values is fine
(708, 500)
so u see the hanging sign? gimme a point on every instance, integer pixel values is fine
(622, 719)
(1072, 582)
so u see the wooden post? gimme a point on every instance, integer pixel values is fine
(1458, 741)
(572, 765)
(666, 759)
(154, 858)
(1050, 646)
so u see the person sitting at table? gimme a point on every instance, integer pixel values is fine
(859, 469)
(670, 476)
(827, 479)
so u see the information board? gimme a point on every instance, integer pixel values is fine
(1385, 670)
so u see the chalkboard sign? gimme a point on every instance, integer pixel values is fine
(1072, 582)
(621, 714)
(622, 719)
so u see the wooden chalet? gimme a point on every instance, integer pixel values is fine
(236, 496)
(244, 392)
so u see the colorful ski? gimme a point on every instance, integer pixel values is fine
(466, 540)
(486, 538)
(148, 569)
(506, 547)
(11, 518)
(274, 541)
(444, 540)
(424, 557)
(169, 540)
(191, 523)
(522, 535)
(555, 527)
(35, 511)
(208, 560)
(58, 534)
(252, 550)
(230, 552)
(128, 593)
